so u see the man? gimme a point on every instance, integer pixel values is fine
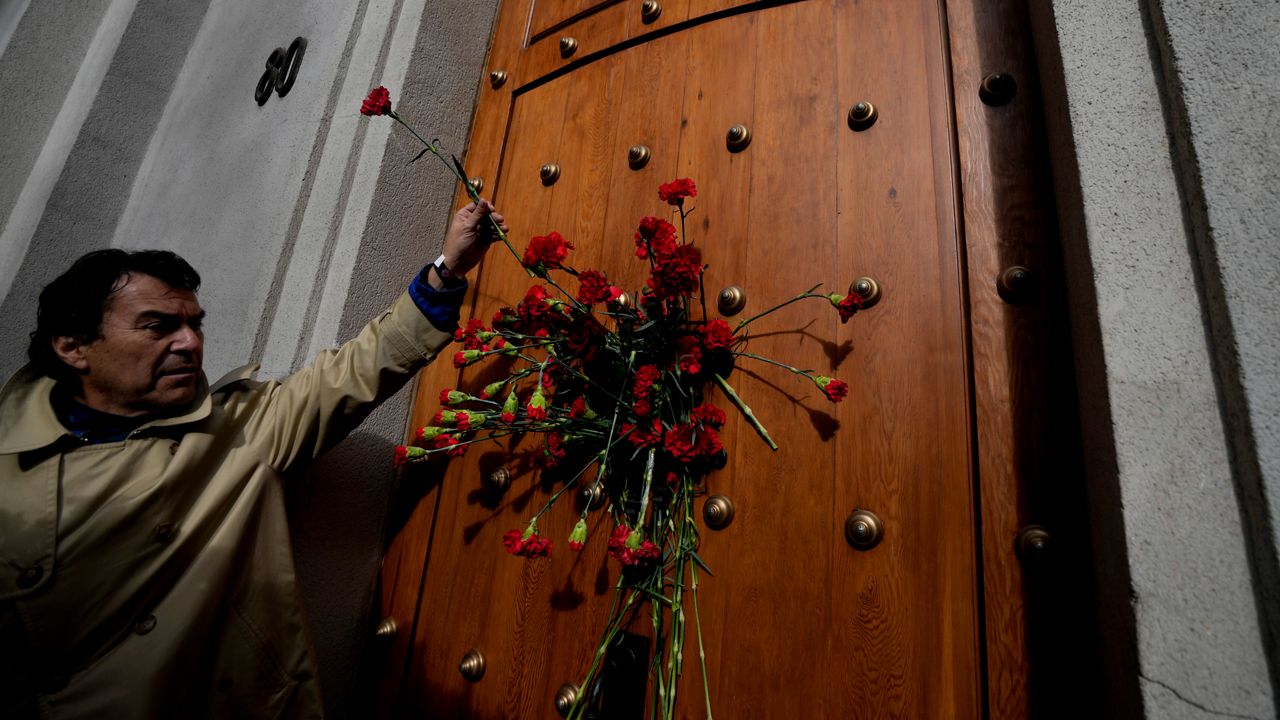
(145, 564)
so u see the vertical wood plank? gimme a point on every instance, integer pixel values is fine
(1040, 644)
(909, 630)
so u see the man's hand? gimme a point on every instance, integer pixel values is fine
(470, 235)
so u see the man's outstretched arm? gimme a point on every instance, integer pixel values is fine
(315, 408)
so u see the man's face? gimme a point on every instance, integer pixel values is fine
(149, 355)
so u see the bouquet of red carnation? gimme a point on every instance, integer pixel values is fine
(614, 386)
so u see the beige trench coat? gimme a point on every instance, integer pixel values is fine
(154, 577)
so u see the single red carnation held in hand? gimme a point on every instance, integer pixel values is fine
(674, 192)
(546, 251)
(834, 389)
(378, 102)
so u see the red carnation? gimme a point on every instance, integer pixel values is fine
(553, 451)
(578, 537)
(378, 102)
(546, 251)
(630, 548)
(708, 415)
(646, 376)
(402, 455)
(835, 390)
(527, 543)
(716, 335)
(678, 274)
(657, 235)
(594, 288)
(450, 445)
(678, 442)
(847, 305)
(644, 435)
(466, 357)
(674, 192)
(689, 352)
(470, 335)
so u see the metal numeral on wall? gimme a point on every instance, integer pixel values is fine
(282, 70)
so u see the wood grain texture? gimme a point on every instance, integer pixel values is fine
(913, 645)
(796, 622)
(1040, 651)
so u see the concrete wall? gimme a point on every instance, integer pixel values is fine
(1162, 117)
(132, 123)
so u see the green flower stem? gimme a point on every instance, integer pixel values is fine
(648, 483)
(611, 631)
(493, 435)
(573, 299)
(806, 294)
(583, 377)
(466, 183)
(797, 371)
(556, 496)
(702, 653)
(746, 411)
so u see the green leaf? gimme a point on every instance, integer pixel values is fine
(698, 559)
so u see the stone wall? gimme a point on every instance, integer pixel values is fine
(1162, 118)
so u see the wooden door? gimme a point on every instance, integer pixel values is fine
(797, 623)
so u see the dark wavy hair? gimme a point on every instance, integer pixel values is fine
(73, 304)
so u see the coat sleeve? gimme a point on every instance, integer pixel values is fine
(314, 409)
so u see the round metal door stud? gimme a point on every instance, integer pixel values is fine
(498, 481)
(638, 156)
(387, 628)
(1034, 543)
(623, 300)
(497, 79)
(472, 665)
(863, 529)
(476, 184)
(862, 116)
(998, 89)
(866, 288)
(568, 46)
(731, 300)
(1016, 284)
(549, 173)
(593, 495)
(566, 696)
(738, 138)
(717, 511)
(650, 10)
